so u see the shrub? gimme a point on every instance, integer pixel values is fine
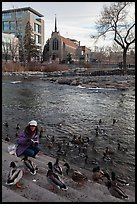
(12, 67)
(54, 67)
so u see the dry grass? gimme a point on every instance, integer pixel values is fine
(33, 66)
(12, 67)
(54, 67)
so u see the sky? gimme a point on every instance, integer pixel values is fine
(75, 20)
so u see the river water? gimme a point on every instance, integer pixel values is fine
(65, 111)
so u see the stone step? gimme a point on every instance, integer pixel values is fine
(7, 194)
(41, 186)
(36, 187)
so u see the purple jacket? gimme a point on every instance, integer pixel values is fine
(24, 141)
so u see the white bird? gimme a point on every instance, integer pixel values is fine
(14, 176)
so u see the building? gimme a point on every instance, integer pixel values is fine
(10, 47)
(64, 49)
(14, 22)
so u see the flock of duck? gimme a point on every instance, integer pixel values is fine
(55, 172)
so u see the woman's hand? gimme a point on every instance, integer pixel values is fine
(35, 141)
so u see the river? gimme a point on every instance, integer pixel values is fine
(65, 111)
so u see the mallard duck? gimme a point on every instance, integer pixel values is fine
(114, 121)
(14, 176)
(7, 138)
(31, 166)
(116, 191)
(120, 148)
(6, 124)
(60, 151)
(100, 121)
(117, 180)
(75, 175)
(56, 167)
(42, 130)
(17, 127)
(54, 179)
(108, 151)
(97, 174)
(87, 161)
(106, 158)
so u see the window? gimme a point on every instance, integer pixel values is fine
(5, 25)
(12, 25)
(37, 28)
(38, 39)
(19, 25)
(19, 14)
(6, 15)
(55, 45)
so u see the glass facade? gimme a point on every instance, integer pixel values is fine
(13, 22)
(5, 25)
(12, 25)
(6, 15)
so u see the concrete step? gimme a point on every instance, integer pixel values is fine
(41, 186)
(36, 187)
(7, 194)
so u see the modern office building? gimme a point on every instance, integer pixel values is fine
(14, 22)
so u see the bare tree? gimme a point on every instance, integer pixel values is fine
(6, 50)
(14, 48)
(118, 21)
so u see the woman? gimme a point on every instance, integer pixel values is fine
(28, 141)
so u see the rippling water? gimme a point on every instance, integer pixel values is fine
(67, 110)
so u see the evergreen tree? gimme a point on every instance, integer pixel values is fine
(30, 47)
(46, 51)
(69, 58)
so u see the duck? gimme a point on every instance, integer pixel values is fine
(120, 148)
(106, 158)
(60, 151)
(75, 175)
(87, 161)
(15, 175)
(98, 174)
(56, 167)
(77, 140)
(30, 165)
(54, 179)
(108, 151)
(42, 130)
(117, 180)
(17, 127)
(100, 121)
(7, 138)
(116, 190)
(6, 124)
(114, 121)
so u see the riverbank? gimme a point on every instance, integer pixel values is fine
(89, 80)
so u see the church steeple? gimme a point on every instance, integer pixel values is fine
(55, 24)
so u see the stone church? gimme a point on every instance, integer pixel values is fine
(64, 50)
